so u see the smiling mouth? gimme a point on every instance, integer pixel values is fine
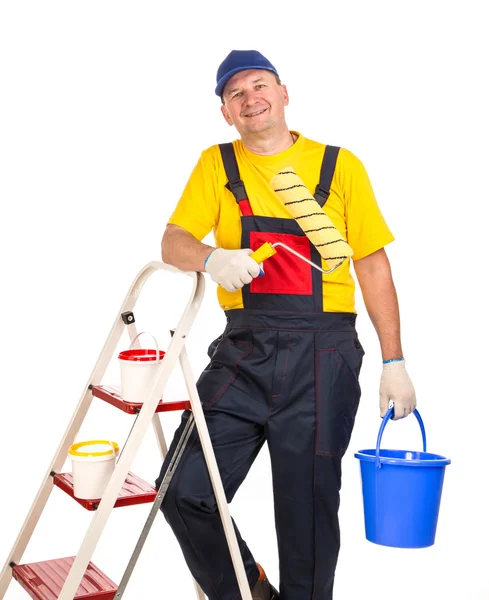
(256, 113)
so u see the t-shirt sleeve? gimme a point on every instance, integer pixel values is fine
(197, 210)
(367, 230)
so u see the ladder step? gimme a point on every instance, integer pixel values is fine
(112, 395)
(134, 491)
(44, 580)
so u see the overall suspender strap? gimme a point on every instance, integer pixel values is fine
(328, 166)
(237, 187)
(235, 184)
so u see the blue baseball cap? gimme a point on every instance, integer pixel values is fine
(240, 60)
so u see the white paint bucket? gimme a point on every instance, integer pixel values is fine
(93, 464)
(138, 369)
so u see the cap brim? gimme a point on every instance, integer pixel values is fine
(222, 82)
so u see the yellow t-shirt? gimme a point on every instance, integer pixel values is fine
(206, 204)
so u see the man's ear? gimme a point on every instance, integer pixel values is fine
(226, 116)
(286, 95)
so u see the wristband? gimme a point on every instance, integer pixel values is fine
(392, 360)
(207, 258)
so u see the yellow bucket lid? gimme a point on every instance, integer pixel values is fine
(75, 448)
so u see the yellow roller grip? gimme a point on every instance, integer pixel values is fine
(263, 252)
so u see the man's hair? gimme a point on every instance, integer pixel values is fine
(277, 79)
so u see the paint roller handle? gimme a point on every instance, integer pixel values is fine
(265, 251)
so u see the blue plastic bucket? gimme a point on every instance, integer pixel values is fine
(401, 493)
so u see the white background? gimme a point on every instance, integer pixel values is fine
(105, 107)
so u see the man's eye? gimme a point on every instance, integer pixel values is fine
(237, 95)
(260, 85)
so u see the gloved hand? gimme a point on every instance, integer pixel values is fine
(232, 269)
(396, 386)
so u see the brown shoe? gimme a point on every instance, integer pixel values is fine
(263, 589)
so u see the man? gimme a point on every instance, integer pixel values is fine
(286, 368)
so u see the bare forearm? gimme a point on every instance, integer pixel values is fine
(380, 297)
(180, 249)
(383, 309)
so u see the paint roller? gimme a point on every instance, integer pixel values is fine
(311, 218)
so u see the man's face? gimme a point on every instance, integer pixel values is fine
(254, 102)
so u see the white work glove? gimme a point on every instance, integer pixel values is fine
(396, 389)
(232, 269)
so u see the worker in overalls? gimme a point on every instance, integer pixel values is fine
(285, 370)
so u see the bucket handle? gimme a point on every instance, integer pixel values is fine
(388, 415)
(155, 341)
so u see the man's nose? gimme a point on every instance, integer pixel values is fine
(251, 96)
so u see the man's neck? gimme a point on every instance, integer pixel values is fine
(266, 144)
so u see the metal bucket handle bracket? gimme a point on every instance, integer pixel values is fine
(388, 416)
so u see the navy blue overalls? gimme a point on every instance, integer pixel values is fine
(286, 372)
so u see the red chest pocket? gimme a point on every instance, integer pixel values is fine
(284, 272)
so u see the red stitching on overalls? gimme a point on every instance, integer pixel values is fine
(289, 329)
(232, 378)
(321, 453)
(339, 315)
(334, 352)
(316, 386)
(314, 473)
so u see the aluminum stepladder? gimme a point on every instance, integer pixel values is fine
(77, 577)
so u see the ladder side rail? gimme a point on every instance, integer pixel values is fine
(135, 438)
(215, 477)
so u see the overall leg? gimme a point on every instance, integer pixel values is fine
(190, 506)
(232, 413)
(308, 432)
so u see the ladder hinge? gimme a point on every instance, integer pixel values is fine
(12, 565)
(52, 474)
(90, 387)
(128, 317)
